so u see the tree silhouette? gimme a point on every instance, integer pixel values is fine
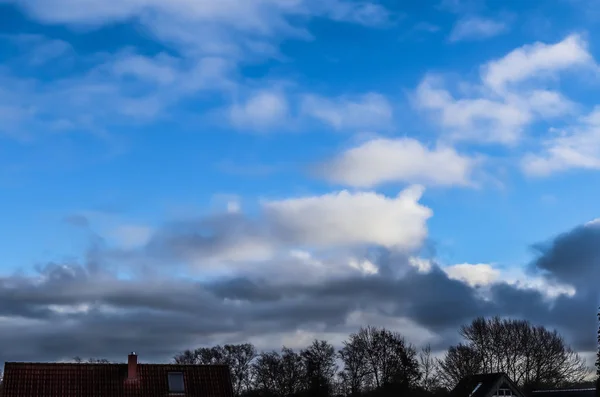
(238, 357)
(598, 359)
(376, 358)
(320, 368)
(598, 347)
(532, 356)
(377, 362)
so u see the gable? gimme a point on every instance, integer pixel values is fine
(506, 388)
(486, 385)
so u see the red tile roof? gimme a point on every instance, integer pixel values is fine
(110, 380)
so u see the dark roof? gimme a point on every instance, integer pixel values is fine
(465, 387)
(110, 380)
(590, 392)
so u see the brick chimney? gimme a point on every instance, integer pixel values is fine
(132, 366)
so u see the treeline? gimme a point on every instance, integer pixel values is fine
(378, 362)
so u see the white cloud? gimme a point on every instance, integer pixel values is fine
(422, 265)
(536, 60)
(399, 160)
(497, 110)
(473, 274)
(518, 278)
(345, 218)
(365, 266)
(263, 110)
(477, 28)
(576, 147)
(478, 119)
(484, 275)
(367, 111)
(546, 104)
(310, 238)
(306, 267)
(593, 223)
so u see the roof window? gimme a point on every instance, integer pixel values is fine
(176, 382)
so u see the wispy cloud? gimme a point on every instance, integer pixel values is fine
(477, 28)
(368, 111)
(209, 41)
(235, 27)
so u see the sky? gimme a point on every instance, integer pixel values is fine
(186, 173)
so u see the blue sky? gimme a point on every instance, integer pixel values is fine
(253, 139)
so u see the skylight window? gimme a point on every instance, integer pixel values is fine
(475, 389)
(176, 382)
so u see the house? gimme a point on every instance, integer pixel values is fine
(487, 385)
(499, 384)
(116, 380)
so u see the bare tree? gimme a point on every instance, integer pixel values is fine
(355, 375)
(320, 368)
(459, 361)
(292, 372)
(376, 358)
(265, 371)
(279, 374)
(429, 374)
(598, 348)
(531, 355)
(79, 360)
(598, 359)
(185, 357)
(237, 357)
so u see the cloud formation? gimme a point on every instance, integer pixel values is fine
(318, 266)
(301, 266)
(380, 161)
(536, 61)
(203, 46)
(510, 95)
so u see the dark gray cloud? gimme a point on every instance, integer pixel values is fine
(572, 257)
(84, 309)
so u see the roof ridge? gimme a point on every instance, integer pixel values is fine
(559, 390)
(86, 363)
